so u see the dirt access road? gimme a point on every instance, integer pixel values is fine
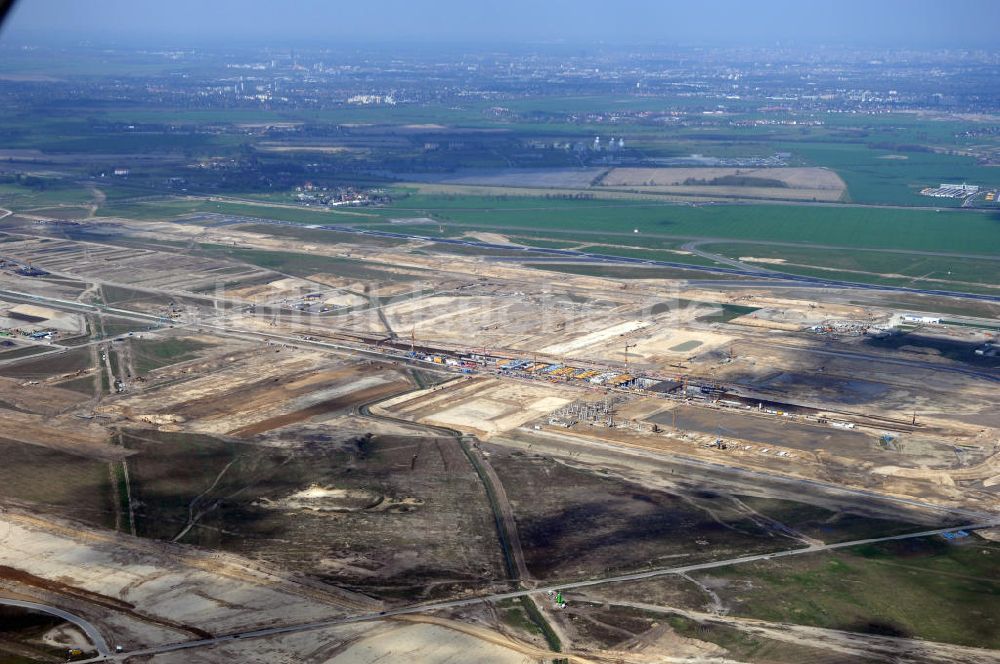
(541, 591)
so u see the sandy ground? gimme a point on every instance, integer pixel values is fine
(664, 344)
(595, 338)
(719, 192)
(344, 299)
(41, 398)
(64, 322)
(437, 313)
(757, 320)
(652, 344)
(988, 471)
(64, 433)
(173, 584)
(67, 636)
(234, 394)
(126, 266)
(495, 238)
(486, 406)
(428, 643)
(753, 259)
(799, 183)
(436, 642)
(34, 311)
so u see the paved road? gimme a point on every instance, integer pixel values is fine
(587, 257)
(725, 260)
(95, 636)
(294, 340)
(834, 247)
(693, 247)
(421, 608)
(500, 596)
(677, 200)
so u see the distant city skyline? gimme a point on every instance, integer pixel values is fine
(889, 23)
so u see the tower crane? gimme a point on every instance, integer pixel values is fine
(627, 346)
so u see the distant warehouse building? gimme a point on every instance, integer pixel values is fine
(951, 190)
(921, 320)
(967, 188)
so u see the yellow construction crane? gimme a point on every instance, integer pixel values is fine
(627, 346)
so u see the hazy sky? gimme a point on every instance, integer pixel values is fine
(914, 23)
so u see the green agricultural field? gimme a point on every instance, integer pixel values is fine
(875, 262)
(169, 208)
(594, 103)
(507, 203)
(158, 209)
(907, 282)
(747, 647)
(542, 243)
(45, 192)
(894, 174)
(645, 254)
(873, 266)
(628, 271)
(880, 228)
(113, 327)
(477, 251)
(317, 235)
(627, 240)
(403, 115)
(134, 143)
(427, 230)
(61, 212)
(152, 354)
(923, 588)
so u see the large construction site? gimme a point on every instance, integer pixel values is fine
(229, 437)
